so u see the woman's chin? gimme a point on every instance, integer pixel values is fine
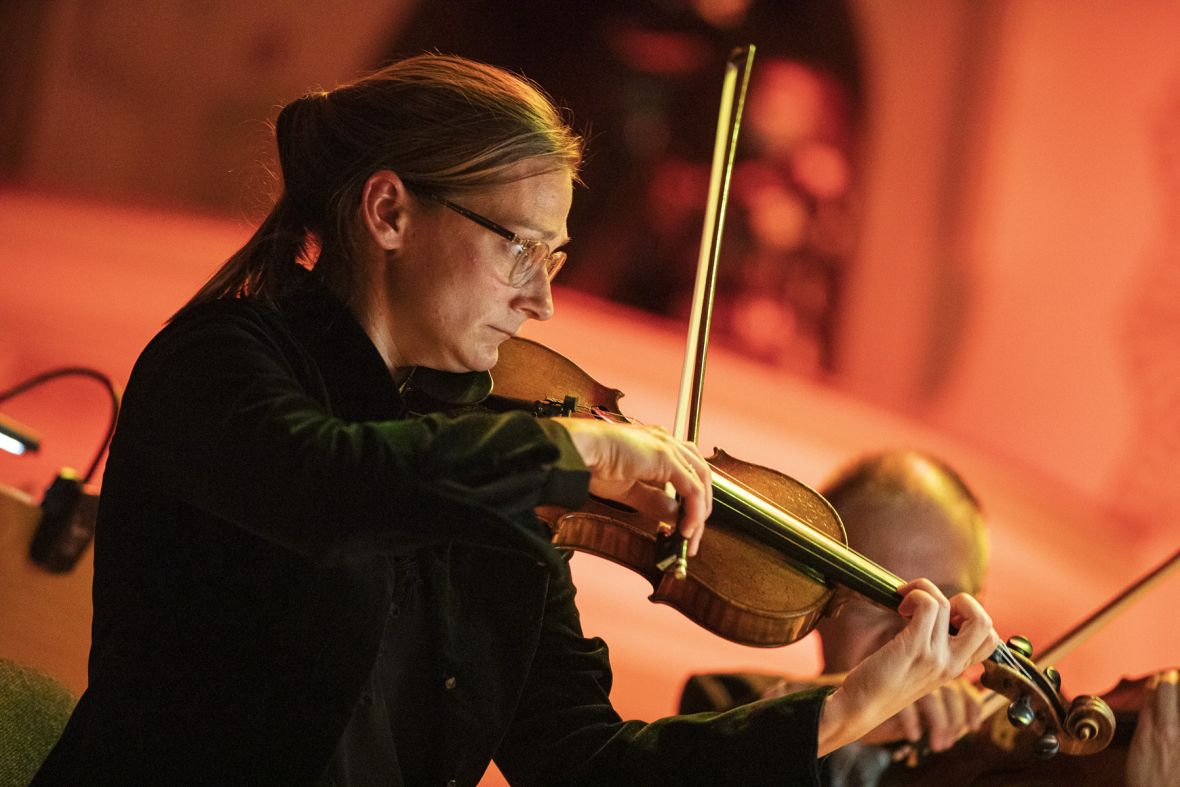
(480, 361)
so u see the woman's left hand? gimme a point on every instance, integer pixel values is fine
(922, 657)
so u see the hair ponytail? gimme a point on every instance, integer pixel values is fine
(265, 266)
(268, 265)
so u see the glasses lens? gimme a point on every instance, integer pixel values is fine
(529, 260)
(553, 264)
(534, 258)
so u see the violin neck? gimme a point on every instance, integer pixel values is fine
(825, 558)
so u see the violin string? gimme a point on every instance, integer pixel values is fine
(602, 414)
(755, 494)
(1004, 656)
(1007, 659)
(835, 550)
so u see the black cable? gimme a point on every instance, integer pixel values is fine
(74, 371)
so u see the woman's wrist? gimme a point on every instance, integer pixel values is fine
(842, 721)
(584, 440)
(833, 724)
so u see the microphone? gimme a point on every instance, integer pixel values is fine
(68, 514)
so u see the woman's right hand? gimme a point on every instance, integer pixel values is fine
(633, 465)
(918, 660)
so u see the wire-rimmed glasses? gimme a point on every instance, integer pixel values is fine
(532, 256)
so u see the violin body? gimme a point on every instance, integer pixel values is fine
(738, 588)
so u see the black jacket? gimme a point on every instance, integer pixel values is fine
(275, 540)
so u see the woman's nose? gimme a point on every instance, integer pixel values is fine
(537, 298)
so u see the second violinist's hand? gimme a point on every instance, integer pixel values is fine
(1154, 756)
(632, 464)
(942, 717)
(918, 660)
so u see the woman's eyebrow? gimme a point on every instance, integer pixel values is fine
(548, 237)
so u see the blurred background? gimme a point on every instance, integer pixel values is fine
(954, 225)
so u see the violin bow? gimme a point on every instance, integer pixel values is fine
(688, 404)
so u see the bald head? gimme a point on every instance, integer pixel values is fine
(913, 515)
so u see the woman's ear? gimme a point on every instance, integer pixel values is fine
(384, 201)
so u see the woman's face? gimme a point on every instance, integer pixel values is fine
(451, 305)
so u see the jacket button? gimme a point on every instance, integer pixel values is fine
(449, 683)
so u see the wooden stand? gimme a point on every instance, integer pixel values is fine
(44, 617)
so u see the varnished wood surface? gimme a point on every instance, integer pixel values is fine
(44, 617)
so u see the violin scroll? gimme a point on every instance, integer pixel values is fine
(1085, 727)
(1090, 719)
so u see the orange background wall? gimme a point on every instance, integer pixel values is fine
(1012, 301)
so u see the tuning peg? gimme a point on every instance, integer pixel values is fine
(1021, 645)
(1020, 713)
(1046, 746)
(1054, 677)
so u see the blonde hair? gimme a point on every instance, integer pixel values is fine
(443, 123)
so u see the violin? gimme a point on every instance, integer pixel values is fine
(774, 560)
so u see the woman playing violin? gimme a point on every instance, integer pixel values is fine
(296, 583)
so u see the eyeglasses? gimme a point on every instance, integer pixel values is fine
(531, 257)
